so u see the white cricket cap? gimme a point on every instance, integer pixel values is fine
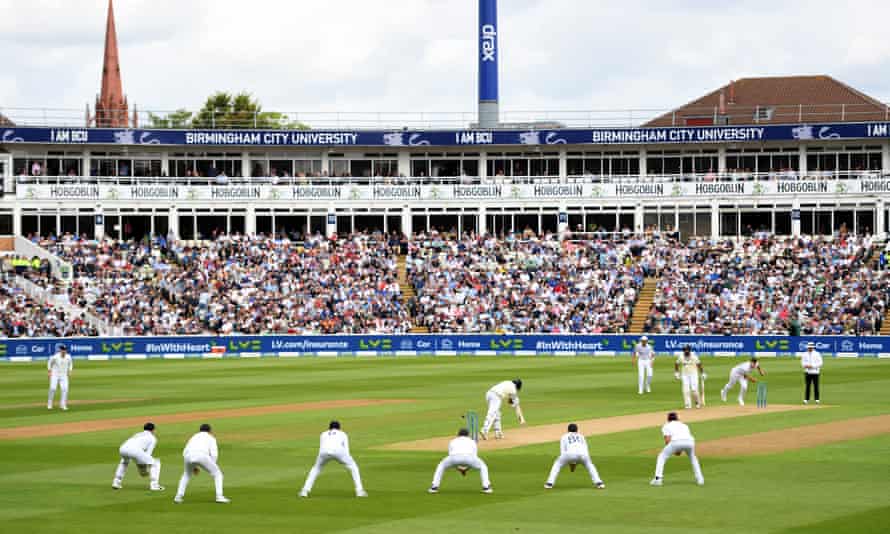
(644, 338)
(810, 344)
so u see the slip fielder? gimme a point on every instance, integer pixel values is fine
(59, 368)
(334, 445)
(644, 359)
(507, 390)
(462, 453)
(201, 452)
(686, 368)
(572, 451)
(138, 449)
(677, 440)
(742, 373)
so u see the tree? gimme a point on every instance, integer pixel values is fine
(240, 111)
(227, 111)
(177, 119)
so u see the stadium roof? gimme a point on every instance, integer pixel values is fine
(777, 100)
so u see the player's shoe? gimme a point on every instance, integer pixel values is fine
(303, 494)
(648, 389)
(656, 482)
(64, 408)
(361, 493)
(548, 486)
(818, 401)
(805, 401)
(486, 489)
(600, 485)
(223, 500)
(700, 482)
(741, 402)
(433, 489)
(640, 392)
(177, 500)
(156, 488)
(723, 395)
(498, 435)
(49, 407)
(116, 484)
(698, 405)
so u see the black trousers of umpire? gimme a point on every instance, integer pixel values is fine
(814, 380)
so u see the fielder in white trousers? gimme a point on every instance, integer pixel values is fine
(59, 367)
(573, 450)
(678, 439)
(462, 454)
(139, 449)
(201, 452)
(643, 358)
(334, 446)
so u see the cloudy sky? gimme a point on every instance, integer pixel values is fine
(419, 55)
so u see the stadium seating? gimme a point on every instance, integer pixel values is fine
(473, 284)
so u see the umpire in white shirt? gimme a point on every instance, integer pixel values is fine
(811, 361)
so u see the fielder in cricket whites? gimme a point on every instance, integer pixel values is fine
(644, 359)
(334, 445)
(201, 452)
(677, 440)
(462, 454)
(686, 368)
(507, 390)
(59, 368)
(573, 451)
(742, 373)
(138, 449)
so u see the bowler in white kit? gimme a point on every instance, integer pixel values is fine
(334, 445)
(462, 454)
(644, 359)
(201, 452)
(677, 440)
(59, 368)
(742, 373)
(573, 451)
(138, 449)
(507, 390)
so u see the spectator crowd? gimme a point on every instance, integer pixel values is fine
(454, 284)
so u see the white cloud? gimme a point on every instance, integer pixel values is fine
(397, 55)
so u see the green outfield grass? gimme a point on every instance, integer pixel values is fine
(62, 484)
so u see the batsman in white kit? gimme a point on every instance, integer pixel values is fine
(462, 454)
(677, 440)
(644, 359)
(201, 452)
(59, 368)
(138, 449)
(507, 390)
(334, 445)
(573, 451)
(742, 373)
(687, 368)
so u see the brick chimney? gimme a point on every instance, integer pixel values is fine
(111, 104)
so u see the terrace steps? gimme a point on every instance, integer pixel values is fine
(643, 305)
(408, 291)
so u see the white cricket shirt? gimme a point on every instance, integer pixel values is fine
(677, 431)
(201, 444)
(462, 445)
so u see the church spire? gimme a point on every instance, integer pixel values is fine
(111, 105)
